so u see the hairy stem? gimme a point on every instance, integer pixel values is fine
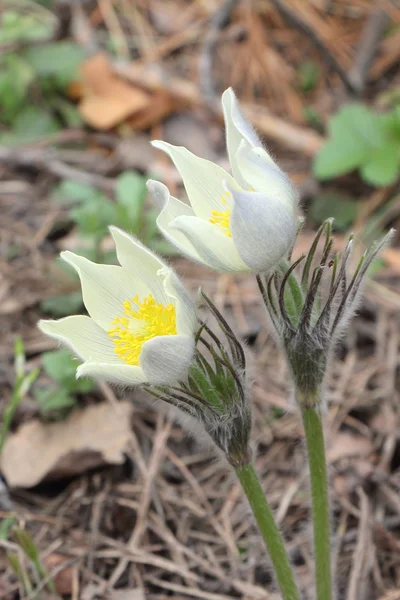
(269, 530)
(320, 499)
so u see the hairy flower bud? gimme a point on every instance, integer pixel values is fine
(214, 391)
(309, 313)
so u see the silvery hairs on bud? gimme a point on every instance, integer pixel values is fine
(310, 312)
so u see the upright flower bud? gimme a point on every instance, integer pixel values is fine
(311, 311)
(244, 222)
(214, 391)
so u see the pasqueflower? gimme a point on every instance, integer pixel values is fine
(142, 321)
(240, 222)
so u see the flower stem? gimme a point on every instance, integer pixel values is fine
(320, 500)
(269, 530)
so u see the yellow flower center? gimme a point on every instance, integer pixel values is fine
(142, 321)
(221, 218)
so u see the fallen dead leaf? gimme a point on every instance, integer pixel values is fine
(64, 579)
(107, 99)
(88, 438)
(345, 445)
(160, 106)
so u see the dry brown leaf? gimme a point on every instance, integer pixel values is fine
(161, 106)
(88, 438)
(64, 579)
(345, 445)
(107, 99)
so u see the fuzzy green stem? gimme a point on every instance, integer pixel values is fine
(269, 530)
(320, 500)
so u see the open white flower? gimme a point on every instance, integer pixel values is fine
(142, 320)
(244, 222)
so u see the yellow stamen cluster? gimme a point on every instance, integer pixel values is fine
(221, 218)
(142, 321)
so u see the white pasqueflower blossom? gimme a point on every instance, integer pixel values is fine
(244, 222)
(142, 320)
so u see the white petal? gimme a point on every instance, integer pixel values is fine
(166, 359)
(263, 229)
(186, 318)
(264, 176)
(237, 131)
(114, 373)
(81, 334)
(238, 128)
(171, 208)
(203, 179)
(105, 288)
(215, 249)
(135, 257)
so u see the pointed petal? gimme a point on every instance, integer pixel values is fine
(119, 374)
(237, 127)
(135, 257)
(83, 337)
(171, 208)
(186, 318)
(166, 359)
(202, 178)
(238, 130)
(263, 229)
(215, 249)
(105, 288)
(264, 175)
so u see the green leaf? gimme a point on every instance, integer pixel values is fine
(382, 166)
(358, 121)
(330, 204)
(130, 195)
(338, 157)
(395, 121)
(61, 366)
(54, 400)
(16, 75)
(15, 564)
(355, 132)
(27, 544)
(59, 59)
(25, 26)
(70, 190)
(94, 216)
(31, 122)
(63, 305)
(94, 211)
(5, 526)
(68, 111)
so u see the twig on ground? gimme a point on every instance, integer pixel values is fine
(160, 441)
(217, 22)
(186, 93)
(49, 162)
(362, 552)
(373, 32)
